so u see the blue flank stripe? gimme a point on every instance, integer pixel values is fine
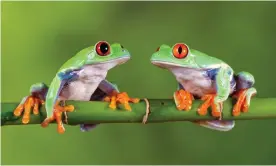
(211, 73)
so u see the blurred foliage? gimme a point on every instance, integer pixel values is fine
(37, 37)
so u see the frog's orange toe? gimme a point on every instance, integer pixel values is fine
(28, 105)
(216, 114)
(183, 99)
(209, 102)
(134, 100)
(113, 106)
(57, 115)
(19, 109)
(116, 98)
(203, 109)
(241, 104)
(236, 112)
(107, 99)
(245, 107)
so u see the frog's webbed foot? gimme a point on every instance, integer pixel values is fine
(210, 102)
(183, 100)
(116, 98)
(57, 115)
(28, 104)
(243, 100)
(244, 93)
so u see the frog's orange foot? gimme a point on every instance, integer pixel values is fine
(243, 99)
(183, 100)
(57, 115)
(116, 98)
(209, 102)
(28, 104)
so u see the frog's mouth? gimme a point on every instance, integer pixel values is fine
(165, 64)
(119, 60)
(106, 65)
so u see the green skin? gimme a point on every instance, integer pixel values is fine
(201, 74)
(81, 77)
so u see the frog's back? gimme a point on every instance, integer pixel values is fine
(202, 81)
(77, 61)
(205, 61)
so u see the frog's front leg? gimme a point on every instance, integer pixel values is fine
(222, 80)
(55, 102)
(244, 92)
(115, 97)
(32, 102)
(59, 109)
(183, 99)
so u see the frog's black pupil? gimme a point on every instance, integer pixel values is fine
(179, 50)
(104, 48)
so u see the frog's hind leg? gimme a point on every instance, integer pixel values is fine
(224, 83)
(244, 92)
(183, 100)
(98, 95)
(115, 97)
(104, 89)
(87, 127)
(32, 102)
(219, 125)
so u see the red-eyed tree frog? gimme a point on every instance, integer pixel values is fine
(81, 78)
(208, 78)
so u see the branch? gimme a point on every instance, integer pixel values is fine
(161, 110)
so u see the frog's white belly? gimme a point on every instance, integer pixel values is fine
(86, 84)
(195, 81)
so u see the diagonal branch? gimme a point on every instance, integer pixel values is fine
(161, 110)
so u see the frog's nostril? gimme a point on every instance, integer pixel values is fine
(158, 49)
(122, 46)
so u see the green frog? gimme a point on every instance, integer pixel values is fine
(204, 77)
(81, 78)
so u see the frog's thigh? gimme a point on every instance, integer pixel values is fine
(108, 87)
(244, 80)
(38, 87)
(223, 83)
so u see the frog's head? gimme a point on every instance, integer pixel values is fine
(102, 54)
(105, 53)
(170, 57)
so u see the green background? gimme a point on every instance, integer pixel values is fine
(38, 37)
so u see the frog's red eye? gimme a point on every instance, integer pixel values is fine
(158, 49)
(180, 50)
(102, 48)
